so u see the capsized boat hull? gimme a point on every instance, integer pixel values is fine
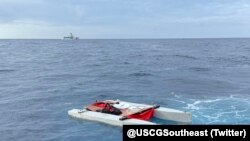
(106, 118)
(166, 113)
(161, 113)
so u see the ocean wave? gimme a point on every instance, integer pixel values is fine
(6, 70)
(186, 56)
(96, 65)
(199, 69)
(126, 63)
(56, 77)
(232, 60)
(102, 96)
(140, 74)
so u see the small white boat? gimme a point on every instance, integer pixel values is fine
(131, 108)
(70, 37)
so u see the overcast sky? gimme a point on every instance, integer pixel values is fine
(124, 18)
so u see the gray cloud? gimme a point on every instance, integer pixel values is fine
(165, 18)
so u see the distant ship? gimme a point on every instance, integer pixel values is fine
(70, 37)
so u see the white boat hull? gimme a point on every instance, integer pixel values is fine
(106, 118)
(166, 113)
(162, 113)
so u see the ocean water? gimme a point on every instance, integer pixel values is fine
(40, 80)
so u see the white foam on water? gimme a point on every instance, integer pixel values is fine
(196, 104)
(177, 98)
(233, 109)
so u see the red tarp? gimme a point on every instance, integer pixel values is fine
(146, 115)
(99, 104)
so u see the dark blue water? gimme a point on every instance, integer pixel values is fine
(40, 80)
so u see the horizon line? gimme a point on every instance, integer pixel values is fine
(127, 38)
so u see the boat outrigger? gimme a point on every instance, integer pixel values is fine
(119, 113)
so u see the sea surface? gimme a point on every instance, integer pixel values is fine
(40, 80)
